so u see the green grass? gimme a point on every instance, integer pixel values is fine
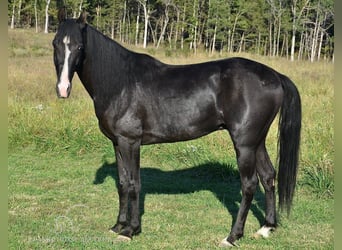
(58, 201)
(62, 176)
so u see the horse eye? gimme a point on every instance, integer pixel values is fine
(80, 47)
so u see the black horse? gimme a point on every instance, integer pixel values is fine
(139, 100)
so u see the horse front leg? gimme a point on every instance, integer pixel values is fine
(122, 186)
(128, 161)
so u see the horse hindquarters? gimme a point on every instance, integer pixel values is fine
(255, 108)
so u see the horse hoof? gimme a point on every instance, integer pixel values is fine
(226, 243)
(264, 232)
(123, 238)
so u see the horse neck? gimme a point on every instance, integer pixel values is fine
(104, 65)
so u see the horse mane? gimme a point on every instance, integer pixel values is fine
(131, 67)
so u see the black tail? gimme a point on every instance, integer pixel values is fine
(288, 144)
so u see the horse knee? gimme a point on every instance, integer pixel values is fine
(268, 179)
(129, 186)
(123, 186)
(134, 188)
(249, 185)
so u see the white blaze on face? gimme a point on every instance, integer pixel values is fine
(64, 82)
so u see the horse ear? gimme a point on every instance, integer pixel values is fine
(83, 17)
(62, 14)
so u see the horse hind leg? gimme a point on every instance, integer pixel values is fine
(246, 157)
(267, 175)
(252, 161)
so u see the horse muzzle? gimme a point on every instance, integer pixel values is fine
(63, 89)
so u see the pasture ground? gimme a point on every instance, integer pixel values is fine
(62, 177)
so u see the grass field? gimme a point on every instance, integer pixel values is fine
(62, 176)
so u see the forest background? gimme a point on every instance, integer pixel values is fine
(295, 29)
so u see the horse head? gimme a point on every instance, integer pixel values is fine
(68, 50)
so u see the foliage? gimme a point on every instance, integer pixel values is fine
(262, 27)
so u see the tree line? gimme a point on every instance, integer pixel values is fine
(296, 29)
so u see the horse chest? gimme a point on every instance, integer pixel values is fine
(120, 124)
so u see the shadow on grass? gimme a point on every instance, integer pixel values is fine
(222, 180)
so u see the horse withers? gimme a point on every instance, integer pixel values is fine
(139, 100)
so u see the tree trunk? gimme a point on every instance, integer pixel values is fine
(315, 39)
(295, 17)
(214, 38)
(19, 13)
(258, 43)
(80, 8)
(177, 28)
(320, 46)
(137, 27)
(46, 30)
(301, 45)
(287, 45)
(278, 36)
(274, 52)
(146, 26)
(282, 46)
(193, 44)
(98, 10)
(241, 42)
(152, 33)
(123, 24)
(265, 46)
(170, 35)
(35, 15)
(112, 32)
(293, 41)
(228, 40)
(270, 38)
(13, 15)
(166, 21)
(182, 30)
(233, 33)
(128, 29)
(146, 19)
(195, 37)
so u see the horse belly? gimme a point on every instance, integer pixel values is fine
(181, 120)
